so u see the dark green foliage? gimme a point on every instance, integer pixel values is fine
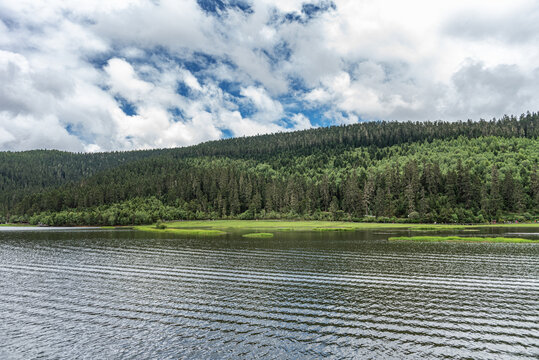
(160, 225)
(133, 212)
(428, 172)
(22, 173)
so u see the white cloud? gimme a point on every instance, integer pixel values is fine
(245, 126)
(125, 82)
(5, 136)
(267, 108)
(64, 65)
(16, 132)
(318, 95)
(396, 60)
(300, 122)
(191, 81)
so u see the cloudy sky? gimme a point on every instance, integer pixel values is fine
(100, 75)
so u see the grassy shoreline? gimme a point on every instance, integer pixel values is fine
(322, 225)
(461, 239)
(267, 228)
(220, 227)
(306, 225)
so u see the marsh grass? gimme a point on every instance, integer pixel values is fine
(258, 235)
(168, 230)
(461, 239)
(220, 227)
(306, 225)
(281, 225)
(335, 229)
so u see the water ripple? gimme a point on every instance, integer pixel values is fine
(120, 297)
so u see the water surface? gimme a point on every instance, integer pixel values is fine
(96, 294)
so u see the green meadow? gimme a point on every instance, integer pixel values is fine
(265, 228)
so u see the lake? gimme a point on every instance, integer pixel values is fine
(111, 294)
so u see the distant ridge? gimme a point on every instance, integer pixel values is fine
(327, 160)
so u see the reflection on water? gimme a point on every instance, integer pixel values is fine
(119, 294)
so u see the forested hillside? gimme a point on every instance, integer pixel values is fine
(431, 171)
(22, 173)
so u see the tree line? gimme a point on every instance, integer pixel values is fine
(453, 179)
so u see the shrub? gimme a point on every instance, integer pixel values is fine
(414, 216)
(247, 215)
(160, 225)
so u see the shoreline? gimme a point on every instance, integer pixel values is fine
(267, 228)
(293, 225)
(255, 228)
(316, 225)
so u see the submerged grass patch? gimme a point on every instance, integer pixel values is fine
(438, 227)
(199, 232)
(462, 239)
(334, 229)
(258, 235)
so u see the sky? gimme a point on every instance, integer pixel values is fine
(101, 75)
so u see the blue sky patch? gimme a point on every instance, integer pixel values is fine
(226, 133)
(177, 113)
(128, 108)
(231, 87)
(217, 7)
(183, 89)
(311, 9)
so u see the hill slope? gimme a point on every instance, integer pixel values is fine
(464, 171)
